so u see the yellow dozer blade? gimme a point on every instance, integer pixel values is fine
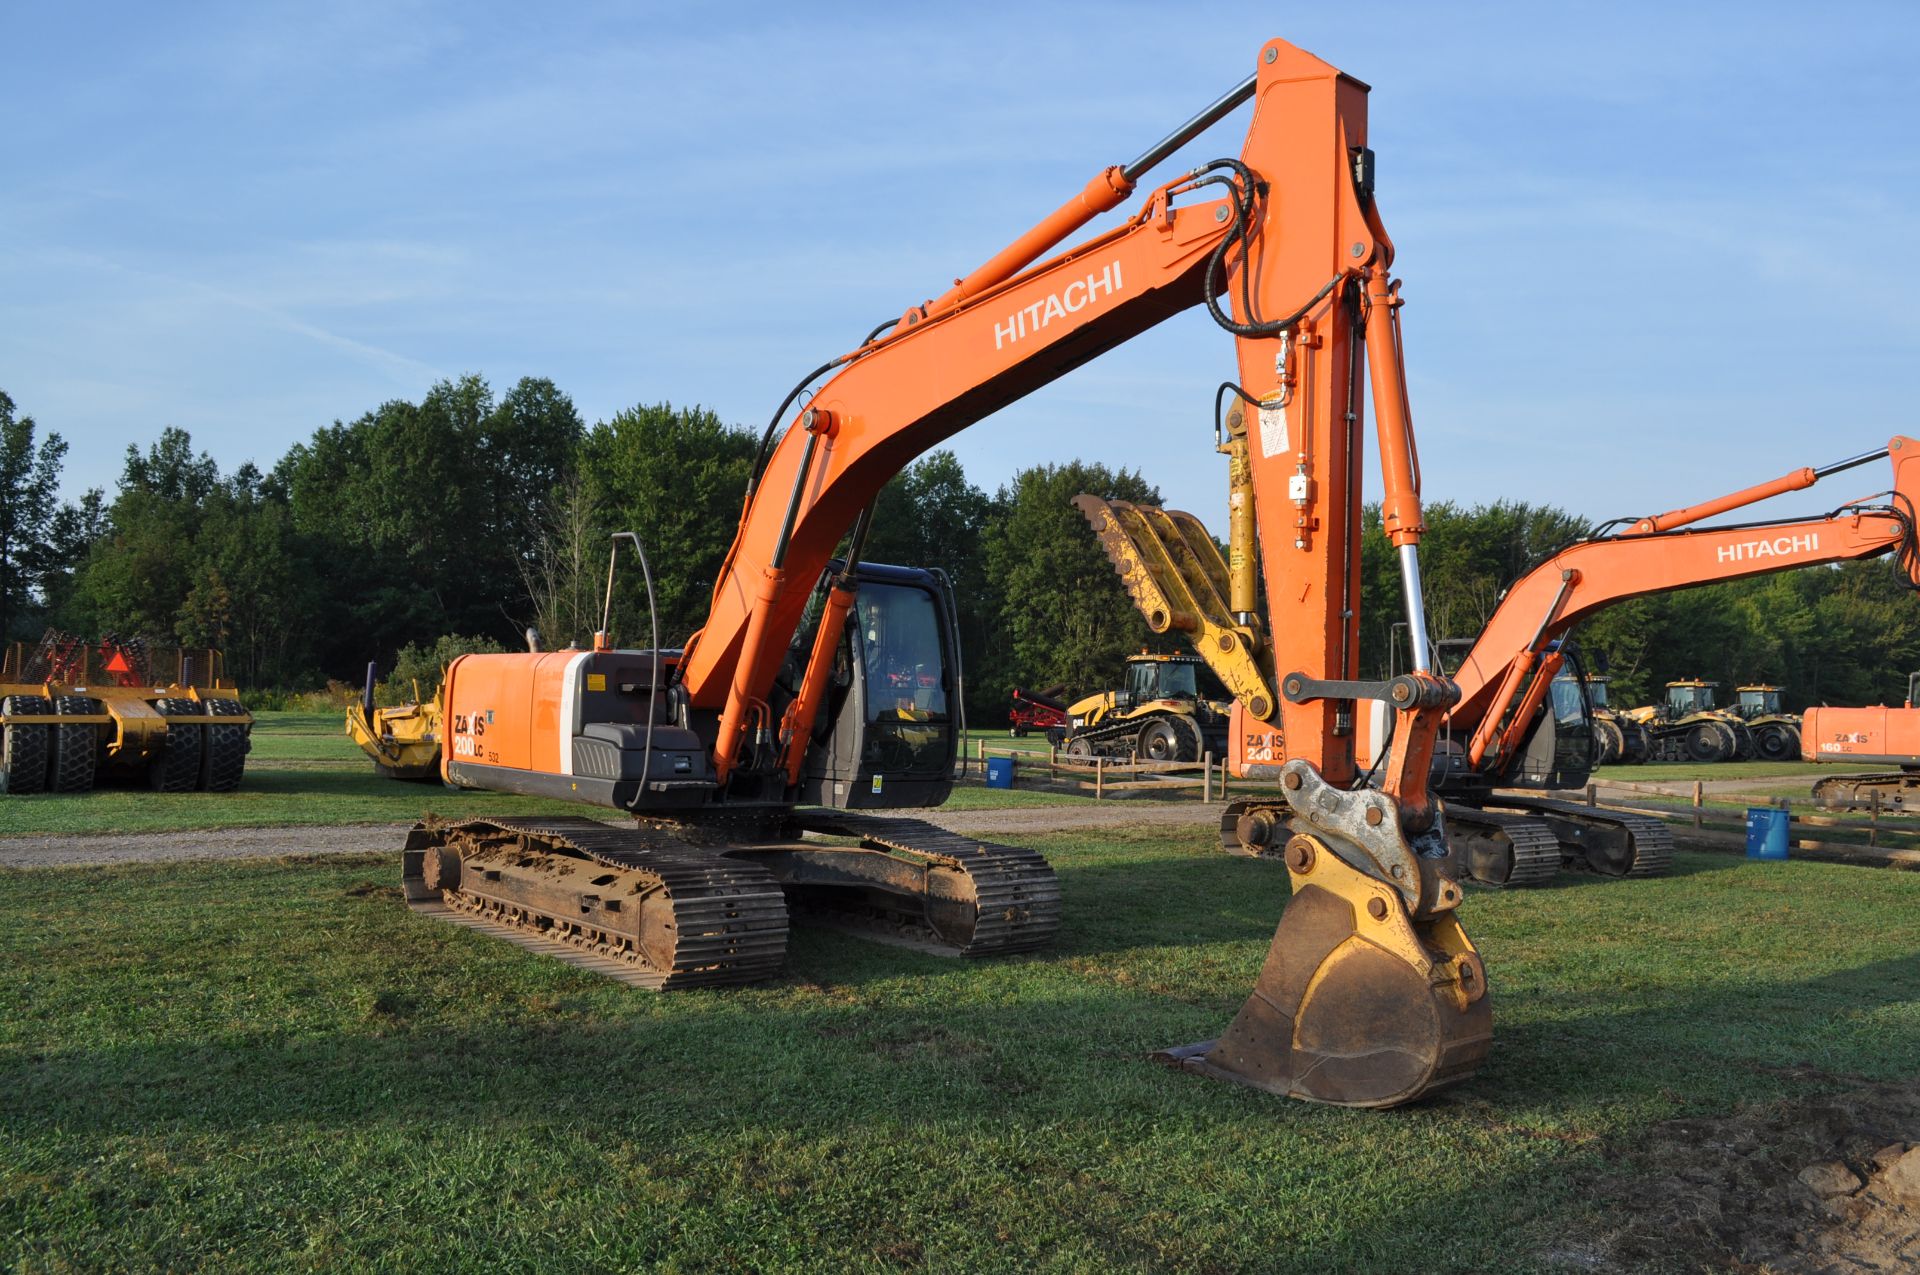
(404, 742)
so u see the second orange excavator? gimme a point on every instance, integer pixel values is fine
(1514, 725)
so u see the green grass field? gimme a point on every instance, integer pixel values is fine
(273, 1065)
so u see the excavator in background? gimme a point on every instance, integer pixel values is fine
(1866, 737)
(1517, 722)
(756, 757)
(1172, 709)
(1687, 726)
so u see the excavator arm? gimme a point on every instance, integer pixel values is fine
(1372, 994)
(1519, 647)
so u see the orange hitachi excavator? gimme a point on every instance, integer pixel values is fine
(1505, 722)
(1874, 736)
(1509, 728)
(820, 688)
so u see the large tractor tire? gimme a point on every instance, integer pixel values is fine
(1777, 741)
(1079, 746)
(177, 768)
(1162, 739)
(1745, 747)
(1708, 743)
(1018, 732)
(223, 754)
(25, 748)
(1639, 743)
(75, 746)
(1609, 744)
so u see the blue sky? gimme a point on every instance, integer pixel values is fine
(1651, 252)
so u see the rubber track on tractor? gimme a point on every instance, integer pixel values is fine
(1651, 837)
(1016, 892)
(729, 918)
(1128, 732)
(1536, 851)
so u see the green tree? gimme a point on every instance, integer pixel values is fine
(29, 483)
(423, 517)
(1065, 617)
(137, 577)
(676, 477)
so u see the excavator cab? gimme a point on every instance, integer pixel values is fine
(1559, 752)
(890, 735)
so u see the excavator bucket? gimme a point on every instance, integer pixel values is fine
(1173, 571)
(1361, 1002)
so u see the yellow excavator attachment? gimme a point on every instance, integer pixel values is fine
(404, 742)
(1174, 572)
(1371, 994)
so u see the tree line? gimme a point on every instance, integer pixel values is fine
(464, 518)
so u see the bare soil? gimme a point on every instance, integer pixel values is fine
(1828, 1182)
(243, 843)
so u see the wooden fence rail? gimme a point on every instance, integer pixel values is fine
(1110, 774)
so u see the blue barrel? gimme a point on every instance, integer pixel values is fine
(999, 772)
(1766, 832)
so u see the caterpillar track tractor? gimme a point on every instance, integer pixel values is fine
(75, 713)
(1617, 738)
(1687, 727)
(760, 765)
(1172, 709)
(1776, 732)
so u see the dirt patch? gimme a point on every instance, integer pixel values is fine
(227, 843)
(1824, 1183)
(84, 850)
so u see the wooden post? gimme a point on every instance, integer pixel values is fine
(1592, 795)
(1206, 776)
(1099, 778)
(1698, 793)
(1873, 818)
